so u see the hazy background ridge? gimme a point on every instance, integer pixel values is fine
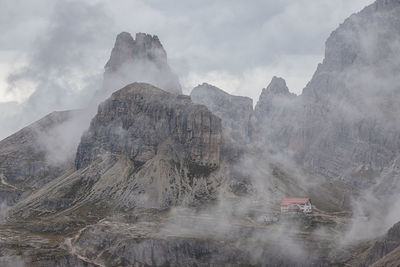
(52, 53)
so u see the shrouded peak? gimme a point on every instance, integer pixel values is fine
(206, 88)
(235, 111)
(149, 46)
(124, 38)
(273, 96)
(147, 40)
(123, 49)
(142, 59)
(144, 46)
(277, 87)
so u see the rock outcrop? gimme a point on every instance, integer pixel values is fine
(149, 244)
(383, 252)
(345, 120)
(142, 59)
(276, 117)
(144, 148)
(236, 113)
(271, 98)
(350, 102)
(24, 157)
(140, 117)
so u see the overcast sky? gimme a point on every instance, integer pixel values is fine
(54, 51)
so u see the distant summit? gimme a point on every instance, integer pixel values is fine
(144, 47)
(235, 111)
(271, 97)
(142, 59)
(276, 87)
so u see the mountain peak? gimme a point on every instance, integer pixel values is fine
(123, 49)
(146, 39)
(149, 46)
(277, 87)
(235, 111)
(272, 96)
(124, 36)
(208, 88)
(144, 46)
(142, 59)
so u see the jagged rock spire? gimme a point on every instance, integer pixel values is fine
(122, 51)
(272, 96)
(143, 47)
(277, 87)
(142, 59)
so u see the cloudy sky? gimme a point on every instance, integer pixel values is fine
(52, 52)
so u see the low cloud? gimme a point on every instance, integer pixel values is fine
(63, 69)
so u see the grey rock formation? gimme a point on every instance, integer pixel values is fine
(142, 59)
(345, 120)
(145, 244)
(148, 151)
(351, 99)
(24, 161)
(276, 116)
(271, 97)
(139, 117)
(383, 252)
(144, 148)
(236, 113)
(277, 87)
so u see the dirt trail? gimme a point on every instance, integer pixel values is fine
(3, 181)
(72, 250)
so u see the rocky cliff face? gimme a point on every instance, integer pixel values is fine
(144, 148)
(270, 96)
(139, 117)
(354, 90)
(277, 116)
(236, 113)
(24, 161)
(345, 119)
(142, 59)
(384, 251)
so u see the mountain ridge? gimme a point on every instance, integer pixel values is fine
(202, 176)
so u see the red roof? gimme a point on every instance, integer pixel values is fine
(288, 201)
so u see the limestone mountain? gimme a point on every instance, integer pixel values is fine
(236, 113)
(270, 97)
(345, 119)
(144, 148)
(276, 116)
(147, 153)
(24, 157)
(142, 59)
(163, 179)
